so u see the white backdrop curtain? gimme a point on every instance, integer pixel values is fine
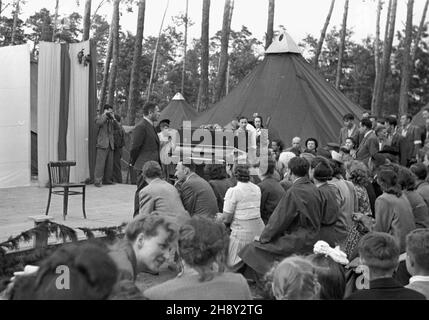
(49, 87)
(77, 134)
(15, 157)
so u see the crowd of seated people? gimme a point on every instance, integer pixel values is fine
(231, 228)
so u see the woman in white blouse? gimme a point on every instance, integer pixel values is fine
(242, 209)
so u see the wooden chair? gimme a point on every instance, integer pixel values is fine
(59, 177)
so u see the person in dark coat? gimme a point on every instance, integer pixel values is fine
(197, 195)
(218, 180)
(379, 252)
(412, 136)
(294, 226)
(271, 192)
(369, 145)
(396, 143)
(119, 140)
(321, 172)
(350, 129)
(105, 147)
(422, 186)
(145, 147)
(407, 181)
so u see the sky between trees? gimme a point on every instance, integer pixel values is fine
(300, 17)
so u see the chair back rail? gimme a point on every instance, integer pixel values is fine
(59, 172)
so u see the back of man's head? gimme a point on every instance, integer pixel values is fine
(420, 170)
(151, 170)
(73, 272)
(418, 250)
(299, 166)
(392, 121)
(366, 123)
(380, 253)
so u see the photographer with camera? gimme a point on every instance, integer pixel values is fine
(105, 146)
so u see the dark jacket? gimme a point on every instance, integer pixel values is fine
(367, 148)
(386, 289)
(220, 187)
(105, 128)
(118, 135)
(271, 193)
(198, 197)
(330, 215)
(394, 215)
(344, 135)
(144, 145)
(293, 228)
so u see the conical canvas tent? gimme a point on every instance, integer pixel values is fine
(293, 98)
(177, 111)
(418, 118)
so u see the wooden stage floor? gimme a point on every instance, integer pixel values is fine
(105, 207)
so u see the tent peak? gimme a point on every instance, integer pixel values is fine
(283, 44)
(178, 96)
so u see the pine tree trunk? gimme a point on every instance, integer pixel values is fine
(134, 95)
(323, 35)
(1, 7)
(203, 94)
(406, 64)
(378, 75)
(377, 38)
(385, 63)
(185, 48)
(155, 55)
(115, 54)
(55, 21)
(419, 35)
(224, 43)
(15, 23)
(87, 20)
(342, 46)
(270, 27)
(106, 71)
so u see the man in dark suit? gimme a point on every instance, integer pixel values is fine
(379, 252)
(197, 195)
(395, 143)
(145, 147)
(105, 147)
(350, 129)
(424, 129)
(160, 196)
(369, 145)
(271, 191)
(412, 135)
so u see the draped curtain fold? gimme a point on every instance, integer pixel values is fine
(78, 133)
(15, 124)
(48, 110)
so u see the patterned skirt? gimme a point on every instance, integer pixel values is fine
(243, 232)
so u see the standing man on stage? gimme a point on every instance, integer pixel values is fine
(412, 136)
(145, 146)
(105, 146)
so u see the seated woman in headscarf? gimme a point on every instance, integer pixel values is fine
(202, 246)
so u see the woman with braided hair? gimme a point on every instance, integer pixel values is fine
(202, 246)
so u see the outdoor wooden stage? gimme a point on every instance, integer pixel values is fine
(108, 206)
